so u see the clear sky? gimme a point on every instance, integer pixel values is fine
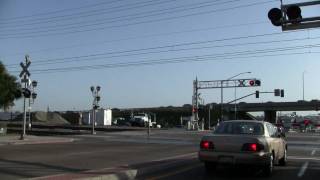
(75, 44)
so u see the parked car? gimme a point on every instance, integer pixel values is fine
(246, 143)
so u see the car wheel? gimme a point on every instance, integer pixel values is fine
(283, 160)
(210, 167)
(267, 170)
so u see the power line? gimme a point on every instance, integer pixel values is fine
(219, 55)
(62, 10)
(93, 13)
(111, 66)
(146, 36)
(37, 63)
(117, 19)
(166, 46)
(141, 22)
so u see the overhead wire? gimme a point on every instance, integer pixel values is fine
(141, 22)
(196, 59)
(157, 61)
(119, 54)
(61, 10)
(117, 19)
(145, 36)
(164, 46)
(94, 13)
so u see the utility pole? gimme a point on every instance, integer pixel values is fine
(95, 105)
(195, 106)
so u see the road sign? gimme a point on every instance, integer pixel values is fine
(241, 83)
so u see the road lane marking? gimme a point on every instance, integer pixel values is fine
(188, 155)
(303, 169)
(175, 172)
(313, 152)
(303, 158)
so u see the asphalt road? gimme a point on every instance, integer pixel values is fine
(165, 155)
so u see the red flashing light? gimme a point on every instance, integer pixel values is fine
(251, 82)
(194, 109)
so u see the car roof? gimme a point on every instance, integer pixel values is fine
(255, 121)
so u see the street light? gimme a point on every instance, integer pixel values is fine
(221, 116)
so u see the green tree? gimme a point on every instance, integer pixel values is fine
(9, 88)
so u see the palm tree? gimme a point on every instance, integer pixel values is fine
(9, 88)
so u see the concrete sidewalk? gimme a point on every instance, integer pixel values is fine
(30, 139)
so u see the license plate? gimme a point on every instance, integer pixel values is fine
(226, 160)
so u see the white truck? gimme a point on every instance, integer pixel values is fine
(142, 119)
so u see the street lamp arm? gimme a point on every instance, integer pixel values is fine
(238, 75)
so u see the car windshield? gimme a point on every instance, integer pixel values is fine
(240, 128)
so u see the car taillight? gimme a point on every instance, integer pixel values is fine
(253, 147)
(206, 145)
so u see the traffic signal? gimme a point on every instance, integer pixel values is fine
(275, 16)
(26, 92)
(254, 82)
(251, 82)
(281, 93)
(257, 82)
(34, 95)
(194, 109)
(294, 12)
(257, 94)
(277, 92)
(98, 98)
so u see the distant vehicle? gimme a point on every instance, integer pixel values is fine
(142, 120)
(244, 142)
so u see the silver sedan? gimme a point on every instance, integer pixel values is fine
(244, 143)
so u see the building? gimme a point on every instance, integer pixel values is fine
(103, 117)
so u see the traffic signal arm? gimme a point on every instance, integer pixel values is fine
(281, 93)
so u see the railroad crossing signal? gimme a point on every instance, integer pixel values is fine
(231, 83)
(24, 74)
(289, 16)
(25, 69)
